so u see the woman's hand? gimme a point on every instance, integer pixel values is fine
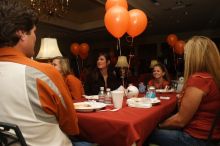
(179, 98)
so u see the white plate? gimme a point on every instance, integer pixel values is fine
(142, 102)
(164, 90)
(154, 101)
(91, 97)
(88, 106)
(139, 102)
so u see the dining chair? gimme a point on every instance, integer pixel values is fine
(214, 123)
(10, 134)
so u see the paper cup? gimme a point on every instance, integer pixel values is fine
(117, 97)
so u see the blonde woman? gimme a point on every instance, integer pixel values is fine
(200, 100)
(74, 84)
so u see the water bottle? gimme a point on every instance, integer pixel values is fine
(151, 93)
(141, 87)
(101, 95)
(108, 96)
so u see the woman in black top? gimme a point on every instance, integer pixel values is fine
(101, 76)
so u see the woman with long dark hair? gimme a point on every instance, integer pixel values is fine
(101, 76)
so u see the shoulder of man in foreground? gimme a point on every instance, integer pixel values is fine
(65, 107)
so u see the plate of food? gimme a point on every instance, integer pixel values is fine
(88, 106)
(154, 101)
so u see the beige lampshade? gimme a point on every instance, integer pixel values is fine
(122, 61)
(48, 49)
(153, 62)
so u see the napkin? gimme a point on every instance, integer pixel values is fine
(91, 97)
(164, 97)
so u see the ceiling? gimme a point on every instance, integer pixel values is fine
(164, 16)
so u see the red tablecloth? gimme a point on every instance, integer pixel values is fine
(125, 126)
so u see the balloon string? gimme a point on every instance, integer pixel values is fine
(119, 46)
(130, 55)
(82, 64)
(77, 64)
(132, 41)
(174, 58)
(129, 61)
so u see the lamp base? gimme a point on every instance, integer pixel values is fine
(123, 75)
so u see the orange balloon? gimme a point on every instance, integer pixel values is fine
(172, 39)
(137, 23)
(116, 21)
(179, 47)
(83, 55)
(83, 48)
(112, 3)
(74, 48)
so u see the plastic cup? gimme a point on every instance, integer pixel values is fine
(117, 97)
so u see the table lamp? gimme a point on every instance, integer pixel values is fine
(153, 62)
(123, 64)
(48, 49)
